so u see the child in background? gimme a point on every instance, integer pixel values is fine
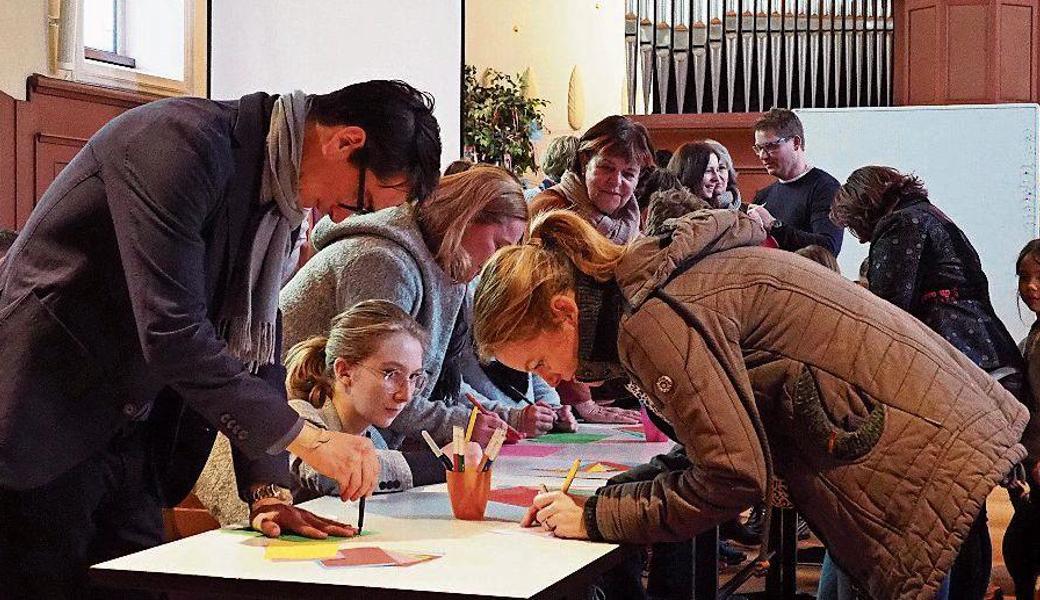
(358, 378)
(1021, 547)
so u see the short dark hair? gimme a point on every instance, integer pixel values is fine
(402, 135)
(869, 194)
(617, 136)
(654, 180)
(689, 163)
(7, 238)
(457, 166)
(670, 204)
(783, 122)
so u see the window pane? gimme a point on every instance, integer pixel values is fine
(99, 24)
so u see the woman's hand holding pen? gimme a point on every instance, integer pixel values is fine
(485, 426)
(559, 513)
(537, 419)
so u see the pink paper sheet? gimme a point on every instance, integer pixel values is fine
(529, 450)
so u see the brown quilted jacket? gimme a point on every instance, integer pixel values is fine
(888, 438)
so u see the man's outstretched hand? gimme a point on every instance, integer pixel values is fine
(272, 517)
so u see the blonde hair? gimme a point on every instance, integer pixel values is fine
(354, 335)
(482, 194)
(513, 297)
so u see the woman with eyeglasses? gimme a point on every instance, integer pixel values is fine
(420, 256)
(358, 378)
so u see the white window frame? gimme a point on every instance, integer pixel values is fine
(194, 81)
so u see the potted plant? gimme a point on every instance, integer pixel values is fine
(498, 120)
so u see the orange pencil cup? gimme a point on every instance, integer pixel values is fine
(468, 492)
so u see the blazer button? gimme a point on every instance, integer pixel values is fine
(232, 424)
(242, 435)
(129, 409)
(224, 417)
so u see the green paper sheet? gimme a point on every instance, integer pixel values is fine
(569, 438)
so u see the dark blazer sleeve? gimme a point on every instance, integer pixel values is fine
(162, 181)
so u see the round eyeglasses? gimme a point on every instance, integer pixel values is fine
(395, 379)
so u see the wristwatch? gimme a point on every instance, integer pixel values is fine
(777, 224)
(272, 491)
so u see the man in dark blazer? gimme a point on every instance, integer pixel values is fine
(138, 316)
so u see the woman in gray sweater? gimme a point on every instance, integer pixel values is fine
(420, 257)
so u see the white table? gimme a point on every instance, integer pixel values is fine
(493, 558)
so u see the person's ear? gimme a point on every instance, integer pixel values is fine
(564, 309)
(342, 141)
(342, 370)
(799, 143)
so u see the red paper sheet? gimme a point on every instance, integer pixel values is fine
(516, 496)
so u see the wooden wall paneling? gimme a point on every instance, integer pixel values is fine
(45, 133)
(1017, 30)
(969, 46)
(7, 162)
(901, 24)
(967, 51)
(920, 59)
(732, 130)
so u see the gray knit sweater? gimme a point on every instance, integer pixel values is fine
(382, 255)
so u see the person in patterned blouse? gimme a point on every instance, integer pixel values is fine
(923, 263)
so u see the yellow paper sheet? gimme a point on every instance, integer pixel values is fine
(300, 551)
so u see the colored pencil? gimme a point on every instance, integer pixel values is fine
(472, 422)
(472, 400)
(570, 475)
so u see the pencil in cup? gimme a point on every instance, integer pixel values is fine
(493, 448)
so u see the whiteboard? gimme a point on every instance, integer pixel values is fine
(979, 164)
(319, 46)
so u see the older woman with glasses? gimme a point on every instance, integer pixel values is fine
(357, 378)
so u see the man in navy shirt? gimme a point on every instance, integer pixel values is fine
(795, 210)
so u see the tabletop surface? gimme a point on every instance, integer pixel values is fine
(491, 558)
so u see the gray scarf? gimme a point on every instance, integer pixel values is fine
(247, 318)
(621, 227)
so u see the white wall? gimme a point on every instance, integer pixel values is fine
(551, 37)
(321, 45)
(23, 43)
(979, 163)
